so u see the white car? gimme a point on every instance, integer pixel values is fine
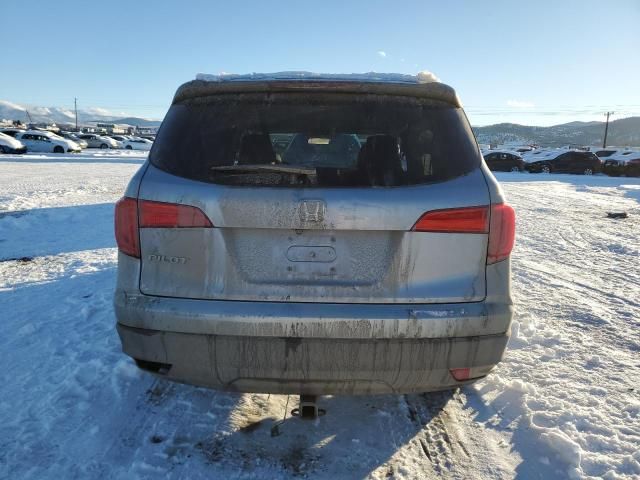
(11, 145)
(43, 141)
(74, 138)
(98, 141)
(136, 143)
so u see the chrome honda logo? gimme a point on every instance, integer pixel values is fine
(312, 210)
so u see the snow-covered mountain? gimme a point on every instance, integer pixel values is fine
(13, 111)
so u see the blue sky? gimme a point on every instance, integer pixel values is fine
(542, 62)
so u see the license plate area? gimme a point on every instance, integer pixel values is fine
(311, 253)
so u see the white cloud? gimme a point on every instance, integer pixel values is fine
(14, 106)
(520, 104)
(382, 53)
(98, 111)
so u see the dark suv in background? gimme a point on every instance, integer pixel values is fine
(573, 161)
(504, 162)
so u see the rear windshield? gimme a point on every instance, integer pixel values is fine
(315, 140)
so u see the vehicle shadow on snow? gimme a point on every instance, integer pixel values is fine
(206, 433)
(357, 435)
(61, 158)
(584, 180)
(55, 230)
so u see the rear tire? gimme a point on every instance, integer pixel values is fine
(545, 169)
(58, 149)
(104, 146)
(3, 149)
(588, 171)
(128, 147)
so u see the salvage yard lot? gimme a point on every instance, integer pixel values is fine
(564, 403)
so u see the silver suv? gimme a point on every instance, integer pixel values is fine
(315, 236)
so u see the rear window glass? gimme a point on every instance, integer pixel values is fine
(315, 140)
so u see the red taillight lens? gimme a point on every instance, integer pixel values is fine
(132, 214)
(171, 215)
(461, 374)
(502, 233)
(501, 226)
(126, 226)
(455, 220)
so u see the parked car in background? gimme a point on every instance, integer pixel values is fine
(120, 138)
(632, 168)
(603, 154)
(239, 270)
(12, 132)
(616, 163)
(8, 144)
(563, 161)
(45, 141)
(74, 138)
(98, 141)
(119, 143)
(501, 161)
(136, 143)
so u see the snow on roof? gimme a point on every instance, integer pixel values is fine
(623, 155)
(542, 154)
(423, 85)
(421, 77)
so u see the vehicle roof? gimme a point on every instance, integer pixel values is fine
(502, 150)
(541, 154)
(624, 155)
(548, 154)
(45, 133)
(423, 85)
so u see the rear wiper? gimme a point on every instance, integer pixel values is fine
(266, 168)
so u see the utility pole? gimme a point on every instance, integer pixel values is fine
(75, 107)
(606, 129)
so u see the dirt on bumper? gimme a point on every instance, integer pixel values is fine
(317, 366)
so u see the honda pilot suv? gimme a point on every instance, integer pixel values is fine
(315, 235)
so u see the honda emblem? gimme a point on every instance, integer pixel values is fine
(312, 210)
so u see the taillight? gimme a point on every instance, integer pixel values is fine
(498, 220)
(132, 214)
(455, 220)
(171, 215)
(126, 226)
(502, 233)
(461, 374)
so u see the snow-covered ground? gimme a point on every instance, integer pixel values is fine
(565, 401)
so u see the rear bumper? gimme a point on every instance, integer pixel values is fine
(14, 151)
(314, 366)
(310, 348)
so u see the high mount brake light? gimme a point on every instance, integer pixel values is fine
(499, 221)
(132, 214)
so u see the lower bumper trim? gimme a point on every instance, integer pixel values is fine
(313, 366)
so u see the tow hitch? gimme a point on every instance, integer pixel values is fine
(308, 408)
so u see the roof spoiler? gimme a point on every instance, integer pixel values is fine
(434, 90)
